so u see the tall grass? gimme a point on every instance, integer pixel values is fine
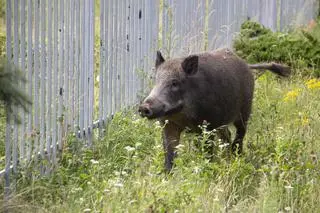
(279, 171)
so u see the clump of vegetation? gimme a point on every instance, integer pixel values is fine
(11, 93)
(2, 44)
(11, 96)
(299, 48)
(278, 171)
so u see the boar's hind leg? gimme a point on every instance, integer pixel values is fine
(171, 137)
(241, 122)
(240, 133)
(241, 126)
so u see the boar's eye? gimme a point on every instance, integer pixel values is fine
(175, 84)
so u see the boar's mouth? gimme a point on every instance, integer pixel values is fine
(174, 109)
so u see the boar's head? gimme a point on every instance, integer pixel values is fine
(167, 96)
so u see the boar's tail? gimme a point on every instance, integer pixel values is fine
(273, 67)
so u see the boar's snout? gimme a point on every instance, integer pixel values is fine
(144, 110)
(151, 108)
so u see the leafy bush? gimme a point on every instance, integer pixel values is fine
(299, 48)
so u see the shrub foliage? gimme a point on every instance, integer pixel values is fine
(299, 48)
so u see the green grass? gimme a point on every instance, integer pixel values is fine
(124, 171)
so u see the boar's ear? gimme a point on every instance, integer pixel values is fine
(159, 59)
(190, 64)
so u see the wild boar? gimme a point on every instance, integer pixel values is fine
(216, 87)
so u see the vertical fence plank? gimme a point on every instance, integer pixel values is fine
(29, 77)
(145, 43)
(146, 34)
(108, 39)
(55, 80)
(155, 30)
(8, 119)
(66, 70)
(130, 50)
(42, 76)
(85, 67)
(76, 73)
(16, 62)
(122, 52)
(22, 66)
(118, 56)
(81, 68)
(49, 83)
(93, 67)
(126, 53)
(86, 64)
(61, 74)
(135, 50)
(72, 56)
(114, 57)
(119, 51)
(36, 75)
(102, 66)
(140, 49)
(106, 60)
(91, 70)
(106, 43)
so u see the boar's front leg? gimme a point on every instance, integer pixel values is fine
(171, 137)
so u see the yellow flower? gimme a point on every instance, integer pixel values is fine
(304, 121)
(291, 95)
(313, 84)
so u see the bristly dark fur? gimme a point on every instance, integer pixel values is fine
(215, 87)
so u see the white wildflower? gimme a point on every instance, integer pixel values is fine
(93, 161)
(129, 148)
(120, 185)
(223, 145)
(180, 146)
(137, 121)
(196, 170)
(287, 208)
(288, 187)
(132, 201)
